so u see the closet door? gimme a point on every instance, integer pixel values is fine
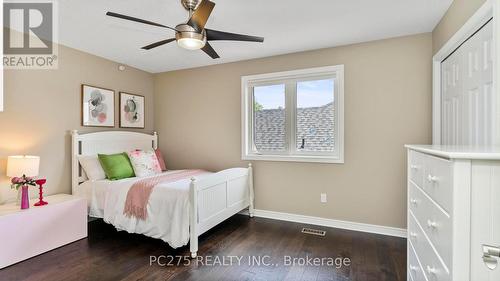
(468, 103)
(452, 78)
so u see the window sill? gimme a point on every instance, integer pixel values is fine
(295, 158)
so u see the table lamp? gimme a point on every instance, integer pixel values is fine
(23, 167)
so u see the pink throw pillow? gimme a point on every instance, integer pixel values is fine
(145, 163)
(159, 155)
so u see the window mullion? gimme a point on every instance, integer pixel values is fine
(251, 121)
(291, 98)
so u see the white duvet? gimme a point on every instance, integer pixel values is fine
(168, 208)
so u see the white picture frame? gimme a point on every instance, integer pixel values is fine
(132, 111)
(98, 107)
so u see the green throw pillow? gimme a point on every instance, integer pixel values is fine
(116, 166)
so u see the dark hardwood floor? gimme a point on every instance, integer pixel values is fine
(110, 255)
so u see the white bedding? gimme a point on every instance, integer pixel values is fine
(168, 208)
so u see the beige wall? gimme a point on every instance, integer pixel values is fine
(456, 16)
(387, 104)
(41, 106)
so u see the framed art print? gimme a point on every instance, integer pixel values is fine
(98, 107)
(131, 111)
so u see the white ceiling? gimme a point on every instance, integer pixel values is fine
(287, 25)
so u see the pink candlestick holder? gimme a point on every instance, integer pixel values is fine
(40, 184)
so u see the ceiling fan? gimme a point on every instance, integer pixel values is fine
(193, 35)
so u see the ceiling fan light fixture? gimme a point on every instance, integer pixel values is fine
(188, 38)
(191, 43)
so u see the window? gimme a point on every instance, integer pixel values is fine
(269, 133)
(294, 116)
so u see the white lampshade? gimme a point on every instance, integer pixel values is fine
(23, 165)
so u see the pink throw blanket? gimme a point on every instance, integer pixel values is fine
(138, 195)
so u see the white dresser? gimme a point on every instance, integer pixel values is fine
(453, 213)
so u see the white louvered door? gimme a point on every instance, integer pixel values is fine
(468, 104)
(452, 78)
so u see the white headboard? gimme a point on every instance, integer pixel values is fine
(107, 142)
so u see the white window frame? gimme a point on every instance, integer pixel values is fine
(289, 79)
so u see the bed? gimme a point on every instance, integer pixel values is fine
(179, 211)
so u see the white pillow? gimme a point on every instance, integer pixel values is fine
(92, 167)
(145, 163)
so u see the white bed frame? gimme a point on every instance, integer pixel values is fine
(213, 199)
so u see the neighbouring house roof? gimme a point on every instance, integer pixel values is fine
(314, 124)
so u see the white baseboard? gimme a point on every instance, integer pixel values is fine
(355, 226)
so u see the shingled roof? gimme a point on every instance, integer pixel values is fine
(315, 126)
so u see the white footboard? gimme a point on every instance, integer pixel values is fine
(217, 197)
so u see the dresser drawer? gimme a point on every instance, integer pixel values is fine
(438, 180)
(432, 267)
(436, 224)
(416, 169)
(415, 269)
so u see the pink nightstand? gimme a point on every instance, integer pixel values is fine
(30, 232)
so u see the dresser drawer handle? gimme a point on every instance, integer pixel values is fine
(431, 270)
(432, 179)
(491, 255)
(414, 201)
(432, 224)
(413, 268)
(414, 167)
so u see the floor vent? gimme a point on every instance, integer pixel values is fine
(313, 231)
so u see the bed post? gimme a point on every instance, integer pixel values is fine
(155, 140)
(74, 161)
(250, 187)
(193, 218)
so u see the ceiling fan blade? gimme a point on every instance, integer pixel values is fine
(125, 17)
(201, 15)
(221, 35)
(157, 44)
(210, 51)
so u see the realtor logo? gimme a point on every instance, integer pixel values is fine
(29, 33)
